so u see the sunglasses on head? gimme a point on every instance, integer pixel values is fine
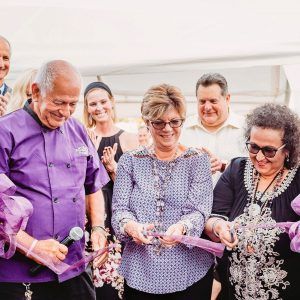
(267, 151)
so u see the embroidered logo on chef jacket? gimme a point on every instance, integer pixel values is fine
(82, 151)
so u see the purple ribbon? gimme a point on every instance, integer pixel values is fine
(14, 214)
(58, 266)
(87, 259)
(216, 249)
(292, 228)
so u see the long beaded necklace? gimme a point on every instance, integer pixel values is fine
(254, 210)
(160, 186)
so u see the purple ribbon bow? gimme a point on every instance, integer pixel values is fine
(292, 228)
(14, 214)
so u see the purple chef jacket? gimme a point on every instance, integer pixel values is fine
(54, 169)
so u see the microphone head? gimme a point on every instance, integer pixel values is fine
(76, 233)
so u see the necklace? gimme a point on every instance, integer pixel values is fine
(255, 211)
(160, 186)
(254, 208)
(255, 271)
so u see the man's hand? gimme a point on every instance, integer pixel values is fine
(215, 162)
(49, 249)
(3, 103)
(99, 241)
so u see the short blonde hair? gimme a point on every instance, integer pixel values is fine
(19, 95)
(158, 99)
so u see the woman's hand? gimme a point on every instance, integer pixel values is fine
(175, 229)
(108, 158)
(3, 103)
(225, 231)
(94, 137)
(136, 231)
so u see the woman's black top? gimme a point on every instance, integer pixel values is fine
(231, 196)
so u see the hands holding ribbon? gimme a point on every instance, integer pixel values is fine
(137, 231)
(173, 230)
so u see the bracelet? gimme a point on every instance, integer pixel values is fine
(33, 244)
(219, 217)
(213, 227)
(96, 228)
(123, 222)
(185, 227)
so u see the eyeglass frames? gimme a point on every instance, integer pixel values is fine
(159, 124)
(267, 151)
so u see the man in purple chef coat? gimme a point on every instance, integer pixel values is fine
(49, 157)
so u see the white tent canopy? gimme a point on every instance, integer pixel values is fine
(133, 44)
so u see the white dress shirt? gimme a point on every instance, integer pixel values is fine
(226, 142)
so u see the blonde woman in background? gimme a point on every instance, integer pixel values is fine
(111, 142)
(21, 90)
(144, 136)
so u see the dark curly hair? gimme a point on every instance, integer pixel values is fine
(278, 117)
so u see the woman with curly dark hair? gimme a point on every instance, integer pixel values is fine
(253, 192)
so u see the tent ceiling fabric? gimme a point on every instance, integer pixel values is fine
(134, 44)
(103, 37)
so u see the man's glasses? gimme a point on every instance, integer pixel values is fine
(158, 124)
(266, 151)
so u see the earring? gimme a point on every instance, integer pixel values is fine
(287, 159)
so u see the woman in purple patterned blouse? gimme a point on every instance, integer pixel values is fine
(165, 188)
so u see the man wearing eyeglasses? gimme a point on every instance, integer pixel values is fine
(216, 127)
(5, 90)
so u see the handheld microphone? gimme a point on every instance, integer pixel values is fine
(75, 234)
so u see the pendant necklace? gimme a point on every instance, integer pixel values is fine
(254, 208)
(256, 211)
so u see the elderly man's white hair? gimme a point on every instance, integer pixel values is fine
(48, 72)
